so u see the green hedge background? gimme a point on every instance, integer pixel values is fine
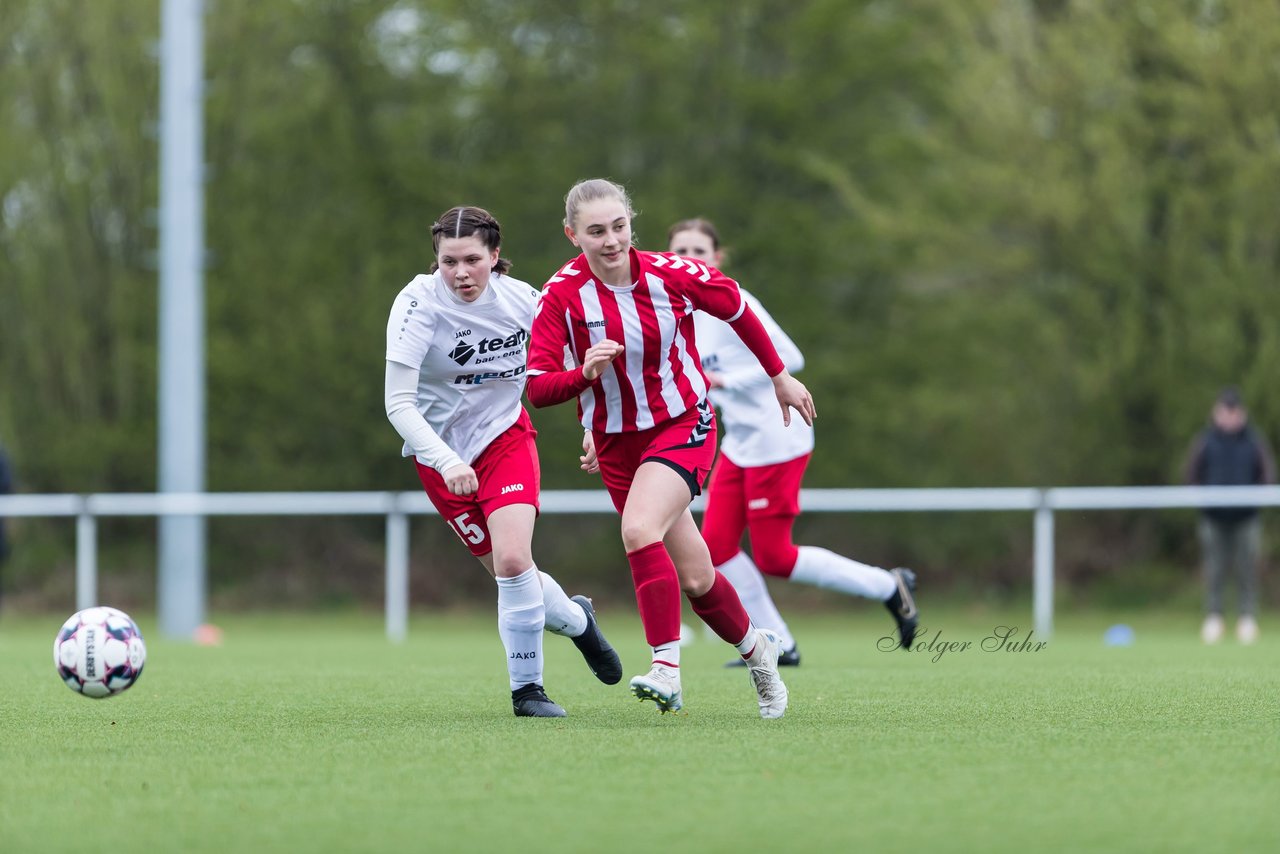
(1021, 244)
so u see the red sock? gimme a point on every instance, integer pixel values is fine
(657, 593)
(721, 609)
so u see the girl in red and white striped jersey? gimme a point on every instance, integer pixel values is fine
(455, 373)
(614, 328)
(755, 485)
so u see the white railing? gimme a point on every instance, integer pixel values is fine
(398, 506)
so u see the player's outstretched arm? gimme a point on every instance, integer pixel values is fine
(790, 392)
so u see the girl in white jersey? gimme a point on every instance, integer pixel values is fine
(455, 372)
(614, 329)
(755, 486)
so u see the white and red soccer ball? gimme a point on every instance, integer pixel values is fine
(99, 652)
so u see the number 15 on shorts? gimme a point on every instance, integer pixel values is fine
(469, 531)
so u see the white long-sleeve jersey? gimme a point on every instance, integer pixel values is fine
(456, 370)
(751, 420)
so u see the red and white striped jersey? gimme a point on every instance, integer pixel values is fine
(659, 375)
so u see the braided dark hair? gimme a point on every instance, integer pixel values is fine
(467, 221)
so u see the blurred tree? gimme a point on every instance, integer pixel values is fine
(78, 179)
(1020, 241)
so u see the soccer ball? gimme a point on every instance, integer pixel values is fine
(99, 652)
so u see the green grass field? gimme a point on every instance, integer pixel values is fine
(315, 734)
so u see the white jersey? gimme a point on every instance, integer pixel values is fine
(751, 420)
(470, 357)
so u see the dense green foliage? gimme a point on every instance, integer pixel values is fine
(1021, 243)
(315, 734)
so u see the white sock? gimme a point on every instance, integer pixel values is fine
(521, 617)
(748, 643)
(749, 582)
(831, 571)
(564, 616)
(668, 653)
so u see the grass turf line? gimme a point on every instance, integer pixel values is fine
(314, 733)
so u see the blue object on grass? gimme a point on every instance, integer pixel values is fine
(1118, 635)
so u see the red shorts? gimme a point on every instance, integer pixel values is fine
(686, 443)
(508, 473)
(772, 490)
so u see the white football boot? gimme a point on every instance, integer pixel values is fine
(1211, 631)
(762, 664)
(662, 685)
(1247, 631)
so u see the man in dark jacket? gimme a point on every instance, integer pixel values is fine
(1229, 452)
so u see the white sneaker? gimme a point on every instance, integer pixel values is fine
(1211, 631)
(1247, 630)
(662, 685)
(763, 667)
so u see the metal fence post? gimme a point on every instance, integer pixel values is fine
(182, 577)
(1042, 583)
(397, 559)
(86, 559)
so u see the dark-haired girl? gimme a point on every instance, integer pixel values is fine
(456, 350)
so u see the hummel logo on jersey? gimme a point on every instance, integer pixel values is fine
(512, 487)
(591, 324)
(566, 270)
(698, 435)
(676, 262)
